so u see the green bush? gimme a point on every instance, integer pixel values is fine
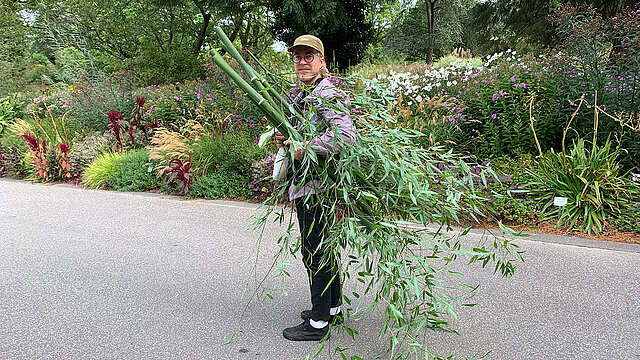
(629, 219)
(97, 174)
(91, 101)
(220, 184)
(152, 66)
(599, 57)
(230, 153)
(10, 109)
(133, 172)
(502, 106)
(591, 180)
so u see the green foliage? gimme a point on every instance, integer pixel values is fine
(152, 67)
(448, 60)
(341, 25)
(591, 180)
(231, 154)
(48, 117)
(133, 172)
(91, 101)
(10, 109)
(97, 174)
(629, 219)
(516, 207)
(599, 57)
(220, 184)
(410, 36)
(70, 65)
(206, 102)
(505, 106)
(431, 117)
(14, 162)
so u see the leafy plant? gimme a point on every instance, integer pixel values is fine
(133, 172)
(629, 219)
(591, 180)
(86, 148)
(12, 163)
(90, 100)
(220, 185)
(599, 56)
(179, 173)
(229, 153)
(39, 157)
(261, 184)
(97, 174)
(9, 111)
(62, 158)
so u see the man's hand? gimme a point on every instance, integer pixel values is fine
(298, 152)
(280, 139)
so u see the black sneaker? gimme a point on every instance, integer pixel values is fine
(333, 319)
(305, 332)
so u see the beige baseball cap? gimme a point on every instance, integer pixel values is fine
(310, 41)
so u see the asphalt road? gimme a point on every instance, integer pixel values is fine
(106, 275)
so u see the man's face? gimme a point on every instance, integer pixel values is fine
(307, 71)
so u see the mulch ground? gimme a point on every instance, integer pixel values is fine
(549, 227)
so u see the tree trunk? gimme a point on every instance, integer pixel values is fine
(202, 34)
(431, 6)
(203, 31)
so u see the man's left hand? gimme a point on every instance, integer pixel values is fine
(298, 152)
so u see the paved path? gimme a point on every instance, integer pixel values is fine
(107, 275)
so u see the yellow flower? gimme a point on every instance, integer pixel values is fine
(70, 88)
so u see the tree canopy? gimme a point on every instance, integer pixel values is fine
(341, 24)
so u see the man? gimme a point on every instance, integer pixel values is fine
(318, 103)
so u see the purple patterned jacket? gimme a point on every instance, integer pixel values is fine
(326, 117)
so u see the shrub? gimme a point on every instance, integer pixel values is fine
(163, 67)
(629, 219)
(221, 185)
(10, 109)
(13, 163)
(591, 180)
(491, 107)
(516, 207)
(133, 172)
(504, 106)
(230, 153)
(97, 174)
(600, 57)
(85, 149)
(91, 101)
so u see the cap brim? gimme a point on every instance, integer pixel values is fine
(309, 46)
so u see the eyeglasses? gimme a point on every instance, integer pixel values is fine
(308, 58)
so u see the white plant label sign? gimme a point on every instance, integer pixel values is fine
(559, 201)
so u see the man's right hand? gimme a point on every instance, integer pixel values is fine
(280, 139)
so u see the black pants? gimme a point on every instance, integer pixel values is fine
(321, 271)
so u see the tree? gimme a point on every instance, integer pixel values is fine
(341, 24)
(431, 26)
(527, 22)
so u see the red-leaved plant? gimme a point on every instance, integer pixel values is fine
(136, 113)
(39, 159)
(114, 123)
(154, 124)
(64, 166)
(181, 171)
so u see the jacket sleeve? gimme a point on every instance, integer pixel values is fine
(334, 111)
